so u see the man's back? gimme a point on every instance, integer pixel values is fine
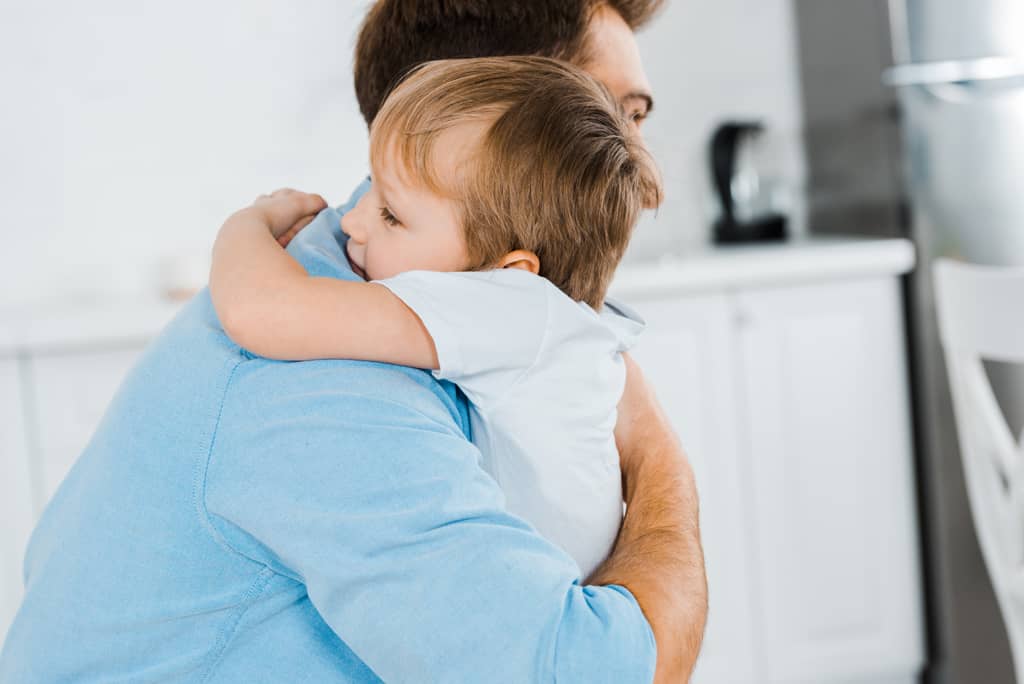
(232, 516)
(127, 577)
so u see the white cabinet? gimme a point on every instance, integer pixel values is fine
(687, 353)
(16, 496)
(50, 404)
(792, 403)
(71, 391)
(829, 451)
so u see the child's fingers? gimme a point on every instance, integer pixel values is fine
(302, 223)
(304, 202)
(285, 207)
(284, 239)
(313, 203)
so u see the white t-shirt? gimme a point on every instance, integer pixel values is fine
(544, 375)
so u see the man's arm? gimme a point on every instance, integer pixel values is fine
(658, 554)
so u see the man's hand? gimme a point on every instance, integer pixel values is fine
(287, 211)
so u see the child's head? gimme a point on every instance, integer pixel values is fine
(487, 163)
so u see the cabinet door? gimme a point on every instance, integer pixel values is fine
(15, 492)
(71, 394)
(828, 445)
(688, 353)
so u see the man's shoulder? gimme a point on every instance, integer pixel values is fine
(342, 391)
(246, 391)
(333, 381)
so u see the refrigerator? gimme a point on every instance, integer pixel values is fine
(958, 74)
(914, 127)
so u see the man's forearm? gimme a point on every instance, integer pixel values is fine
(658, 555)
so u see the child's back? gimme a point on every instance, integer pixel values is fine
(544, 375)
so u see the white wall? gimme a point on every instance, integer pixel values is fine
(129, 130)
(709, 60)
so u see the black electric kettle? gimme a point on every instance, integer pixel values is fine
(746, 214)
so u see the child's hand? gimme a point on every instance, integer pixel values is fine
(287, 211)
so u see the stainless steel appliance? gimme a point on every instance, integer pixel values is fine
(746, 196)
(959, 71)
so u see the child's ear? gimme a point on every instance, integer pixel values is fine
(522, 259)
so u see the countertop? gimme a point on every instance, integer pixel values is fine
(66, 328)
(735, 267)
(73, 327)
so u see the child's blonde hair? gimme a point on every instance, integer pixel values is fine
(558, 170)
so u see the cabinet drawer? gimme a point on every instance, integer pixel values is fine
(71, 393)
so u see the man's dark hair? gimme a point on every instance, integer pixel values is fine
(399, 34)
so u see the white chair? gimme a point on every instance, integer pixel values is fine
(981, 317)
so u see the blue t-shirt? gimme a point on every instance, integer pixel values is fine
(236, 519)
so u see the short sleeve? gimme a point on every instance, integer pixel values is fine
(624, 321)
(468, 313)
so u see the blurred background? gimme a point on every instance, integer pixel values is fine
(804, 374)
(133, 129)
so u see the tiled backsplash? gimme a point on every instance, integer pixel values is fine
(130, 131)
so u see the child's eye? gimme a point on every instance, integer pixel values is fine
(388, 217)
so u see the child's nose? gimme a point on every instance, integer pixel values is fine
(352, 225)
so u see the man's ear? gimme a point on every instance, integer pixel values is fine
(522, 259)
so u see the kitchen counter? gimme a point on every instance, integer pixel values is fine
(67, 328)
(765, 265)
(58, 329)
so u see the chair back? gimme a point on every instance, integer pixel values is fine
(981, 318)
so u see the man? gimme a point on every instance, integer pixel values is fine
(237, 519)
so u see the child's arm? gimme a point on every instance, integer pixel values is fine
(269, 305)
